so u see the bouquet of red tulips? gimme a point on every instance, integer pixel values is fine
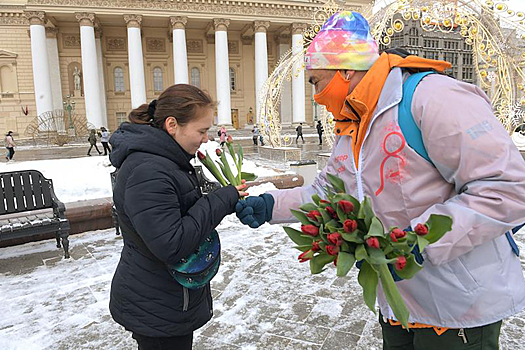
(342, 230)
(225, 175)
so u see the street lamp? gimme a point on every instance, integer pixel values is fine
(69, 106)
(314, 104)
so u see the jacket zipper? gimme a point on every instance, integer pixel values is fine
(186, 299)
(461, 334)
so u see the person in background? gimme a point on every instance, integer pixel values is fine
(164, 217)
(104, 139)
(320, 131)
(256, 134)
(10, 145)
(299, 131)
(93, 142)
(223, 134)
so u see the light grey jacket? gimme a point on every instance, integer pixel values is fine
(471, 276)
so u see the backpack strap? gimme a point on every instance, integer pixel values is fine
(406, 121)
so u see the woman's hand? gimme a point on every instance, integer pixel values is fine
(240, 188)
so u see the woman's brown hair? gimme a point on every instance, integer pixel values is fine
(181, 101)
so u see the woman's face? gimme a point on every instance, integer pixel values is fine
(192, 135)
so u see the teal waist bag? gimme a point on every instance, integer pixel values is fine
(198, 269)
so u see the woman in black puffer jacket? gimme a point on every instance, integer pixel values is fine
(157, 195)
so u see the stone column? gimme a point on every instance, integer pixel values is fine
(90, 69)
(180, 56)
(298, 86)
(222, 71)
(41, 75)
(54, 67)
(261, 62)
(100, 65)
(285, 108)
(136, 61)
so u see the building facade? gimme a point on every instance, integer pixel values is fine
(111, 56)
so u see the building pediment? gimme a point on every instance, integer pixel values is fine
(7, 54)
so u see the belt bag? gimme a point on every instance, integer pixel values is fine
(194, 271)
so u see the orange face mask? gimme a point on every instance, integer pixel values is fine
(334, 95)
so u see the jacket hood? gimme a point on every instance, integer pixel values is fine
(130, 138)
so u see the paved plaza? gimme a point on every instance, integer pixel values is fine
(264, 298)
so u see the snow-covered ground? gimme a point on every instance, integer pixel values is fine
(88, 177)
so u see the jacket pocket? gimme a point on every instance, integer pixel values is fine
(463, 275)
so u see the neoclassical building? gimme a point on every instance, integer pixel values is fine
(111, 56)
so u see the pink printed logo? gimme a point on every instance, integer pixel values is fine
(391, 174)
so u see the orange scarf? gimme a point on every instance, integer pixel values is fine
(363, 100)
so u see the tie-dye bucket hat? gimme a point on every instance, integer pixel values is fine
(344, 42)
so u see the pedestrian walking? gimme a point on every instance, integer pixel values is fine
(464, 166)
(93, 142)
(320, 131)
(299, 131)
(256, 134)
(168, 225)
(104, 139)
(223, 135)
(9, 145)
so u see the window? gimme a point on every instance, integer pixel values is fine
(196, 77)
(121, 118)
(119, 79)
(232, 80)
(157, 79)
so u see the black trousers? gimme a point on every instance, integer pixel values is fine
(106, 148)
(90, 147)
(320, 138)
(301, 136)
(255, 140)
(170, 343)
(11, 152)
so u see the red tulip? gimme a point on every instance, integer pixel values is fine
(393, 237)
(201, 155)
(315, 246)
(229, 139)
(332, 249)
(350, 225)
(304, 257)
(218, 152)
(373, 242)
(324, 201)
(335, 238)
(335, 262)
(314, 215)
(398, 233)
(346, 206)
(400, 263)
(310, 230)
(331, 211)
(421, 229)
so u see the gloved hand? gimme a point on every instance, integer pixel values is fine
(255, 211)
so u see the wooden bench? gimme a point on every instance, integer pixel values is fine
(24, 196)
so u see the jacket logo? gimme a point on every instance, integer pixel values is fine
(392, 175)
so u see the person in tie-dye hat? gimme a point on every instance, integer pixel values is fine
(465, 166)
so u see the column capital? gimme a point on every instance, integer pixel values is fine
(261, 26)
(283, 39)
(85, 19)
(178, 22)
(36, 17)
(221, 24)
(299, 28)
(133, 21)
(98, 32)
(51, 32)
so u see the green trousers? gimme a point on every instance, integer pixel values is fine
(478, 338)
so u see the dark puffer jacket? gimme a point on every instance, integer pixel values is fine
(157, 193)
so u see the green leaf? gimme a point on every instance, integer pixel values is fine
(248, 176)
(226, 170)
(376, 256)
(347, 197)
(316, 199)
(308, 207)
(360, 252)
(336, 183)
(368, 279)
(411, 268)
(333, 225)
(210, 164)
(297, 237)
(303, 248)
(326, 217)
(366, 212)
(319, 261)
(422, 242)
(345, 261)
(402, 247)
(392, 295)
(340, 213)
(376, 229)
(301, 217)
(351, 237)
(438, 225)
